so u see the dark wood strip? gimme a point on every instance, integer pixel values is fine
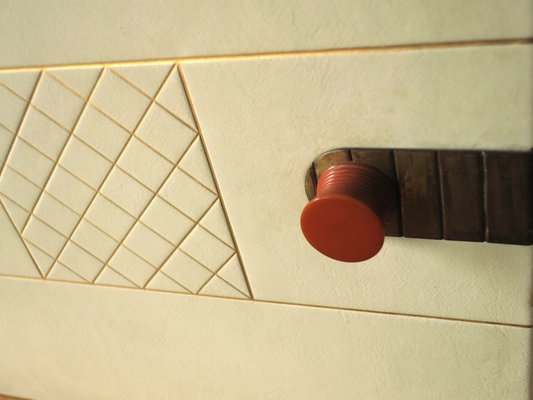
(419, 193)
(461, 182)
(483, 195)
(509, 200)
(330, 158)
(384, 161)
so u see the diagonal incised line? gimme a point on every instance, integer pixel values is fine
(280, 303)
(22, 240)
(71, 133)
(140, 139)
(109, 117)
(83, 246)
(197, 181)
(213, 272)
(97, 151)
(121, 275)
(17, 133)
(288, 53)
(66, 86)
(234, 287)
(92, 189)
(138, 219)
(9, 89)
(51, 119)
(169, 277)
(215, 180)
(55, 260)
(195, 130)
(71, 270)
(154, 98)
(201, 263)
(96, 192)
(133, 85)
(7, 129)
(196, 223)
(154, 194)
(4, 164)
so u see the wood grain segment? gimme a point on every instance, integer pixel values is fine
(461, 186)
(509, 197)
(418, 180)
(384, 161)
(450, 194)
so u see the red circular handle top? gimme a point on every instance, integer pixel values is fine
(344, 220)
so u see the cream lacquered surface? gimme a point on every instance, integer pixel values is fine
(149, 236)
(264, 121)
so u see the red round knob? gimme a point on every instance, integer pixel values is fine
(345, 219)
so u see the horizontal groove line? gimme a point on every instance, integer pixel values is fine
(294, 53)
(311, 306)
(136, 136)
(390, 313)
